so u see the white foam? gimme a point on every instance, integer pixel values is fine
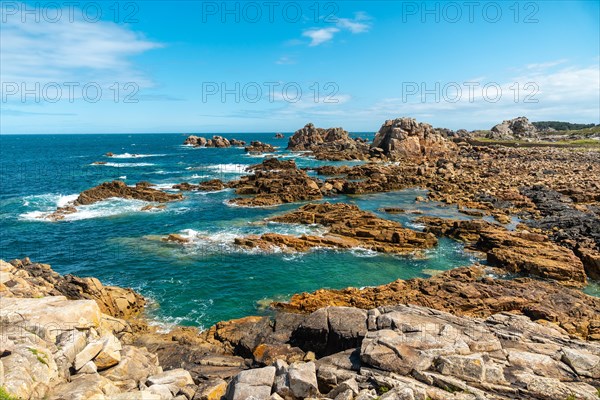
(196, 176)
(123, 177)
(261, 155)
(48, 203)
(363, 253)
(123, 165)
(229, 168)
(64, 200)
(128, 155)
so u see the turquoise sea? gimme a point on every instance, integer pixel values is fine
(198, 284)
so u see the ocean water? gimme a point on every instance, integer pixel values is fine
(196, 284)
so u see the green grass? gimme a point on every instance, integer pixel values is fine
(4, 395)
(41, 357)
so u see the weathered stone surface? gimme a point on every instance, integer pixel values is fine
(328, 144)
(275, 182)
(348, 227)
(88, 353)
(503, 352)
(206, 186)
(35, 280)
(178, 377)
(136, 364)
(331, 329)
(255, 382)
(406, 139)
(119, 189)
(303, 380)
(470, 292)
(520, 252)
(85, 387)
(517, 128)
(110, 354)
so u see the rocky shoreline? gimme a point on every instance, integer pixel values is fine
(517, 327)
(459, 335)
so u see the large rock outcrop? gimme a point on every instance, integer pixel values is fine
(348, 227)
(517, 128)
(328, 144)
(407, 139)
(61, 339)
(23, 278)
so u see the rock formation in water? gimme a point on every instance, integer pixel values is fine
(348, 227)
(115, 189)
(275, 182)
(216, 141)
(408, 140)
(257, 147)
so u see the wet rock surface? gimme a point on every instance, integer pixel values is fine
(115, 189)
(141, 191)
(348, 227)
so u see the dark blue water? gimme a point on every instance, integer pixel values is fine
(198, 284)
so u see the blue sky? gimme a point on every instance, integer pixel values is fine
(453, 64)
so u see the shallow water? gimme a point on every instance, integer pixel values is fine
(198, 284)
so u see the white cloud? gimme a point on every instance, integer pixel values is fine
(569, 93)
(359, 24)
(66, 51)
(353, 26)
(320, 36)
(285, 60)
